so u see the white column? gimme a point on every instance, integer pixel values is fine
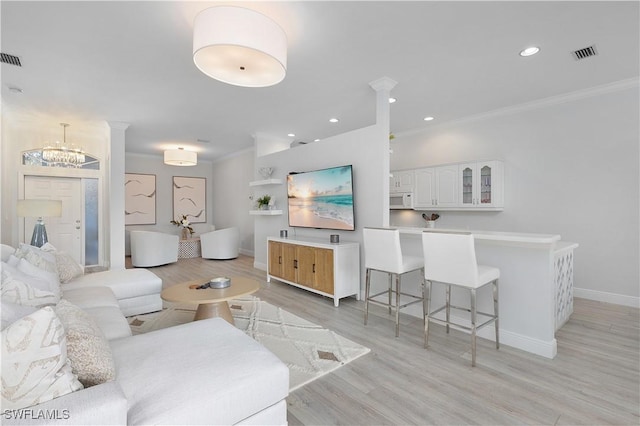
(383, 87)
(115, 195)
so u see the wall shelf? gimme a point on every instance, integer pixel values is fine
(265, 212)
(265, 182)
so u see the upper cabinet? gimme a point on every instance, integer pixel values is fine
(468, 186)
(401, 181)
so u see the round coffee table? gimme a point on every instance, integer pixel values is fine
(211, 302)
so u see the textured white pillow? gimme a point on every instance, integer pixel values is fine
(35, 368)
(67, 266)
(87, 348)
(37, 257)
(18, 289)
(53, 282)
(12, 312)
(13, 261)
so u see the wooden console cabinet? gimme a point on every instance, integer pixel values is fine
(332, 270)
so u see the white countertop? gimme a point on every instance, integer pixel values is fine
(515, 237)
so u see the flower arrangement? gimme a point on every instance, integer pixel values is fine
(264, 201)
(183, 223)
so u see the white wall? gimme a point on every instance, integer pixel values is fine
(571, 168)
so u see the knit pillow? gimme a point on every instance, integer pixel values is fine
(66, 265)
(87, 348)
(37, 257)
(35, 367)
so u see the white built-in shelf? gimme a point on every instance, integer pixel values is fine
(265, 182)
(265, 212)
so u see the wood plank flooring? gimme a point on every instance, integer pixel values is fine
(594, 379)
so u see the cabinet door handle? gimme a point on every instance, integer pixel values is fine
(295, 264)
(279, 260)
(313, 269)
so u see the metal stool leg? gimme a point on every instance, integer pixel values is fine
(397, 305)
(448, 306)
(495, 312)
(473, 327)
(427, 312)
(366, 295)
(390, 291)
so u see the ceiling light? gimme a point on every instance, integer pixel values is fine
(61, 154)
(392, 100)
(530, 51)
(429, 118)
(333, 120)
(239, 46)
(316, 140)
(180, 157)
(291, 135)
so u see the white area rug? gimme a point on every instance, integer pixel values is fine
(309, 350)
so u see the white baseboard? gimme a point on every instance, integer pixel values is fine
(246, 252)
(260, 265)
(603, 296)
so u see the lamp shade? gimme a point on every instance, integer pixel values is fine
(239, 46)
(180, 157)
(39, 208)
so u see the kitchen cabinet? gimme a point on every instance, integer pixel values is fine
(401, 181)
(332, 270)
(436, 187)
(481, 184)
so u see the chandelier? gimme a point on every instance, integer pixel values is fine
(63, 155)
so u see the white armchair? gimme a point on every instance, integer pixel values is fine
(150, 248)
(221, 244)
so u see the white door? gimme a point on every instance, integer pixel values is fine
(65, 232)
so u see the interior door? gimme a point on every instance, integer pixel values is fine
(65, 232)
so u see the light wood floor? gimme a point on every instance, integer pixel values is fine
(594, 379)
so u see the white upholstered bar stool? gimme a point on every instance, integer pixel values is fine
(382, 253)
(450, 259)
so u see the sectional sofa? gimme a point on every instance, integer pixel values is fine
(204, 372)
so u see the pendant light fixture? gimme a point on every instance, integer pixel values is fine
(239, 46)
(180, 157)
(63, 155)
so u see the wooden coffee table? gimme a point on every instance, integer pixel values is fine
(211, 302)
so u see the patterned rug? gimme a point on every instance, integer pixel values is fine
(309, 350)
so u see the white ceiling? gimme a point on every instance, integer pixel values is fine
(131, 62)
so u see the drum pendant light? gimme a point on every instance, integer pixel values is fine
(239, 46)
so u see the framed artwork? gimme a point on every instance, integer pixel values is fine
(189, 198)
(139, 199)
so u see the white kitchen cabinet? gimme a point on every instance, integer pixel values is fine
(401, 181)
(481, 184)
(436, 187)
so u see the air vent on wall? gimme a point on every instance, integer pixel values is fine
(5, 58)
(584, 53)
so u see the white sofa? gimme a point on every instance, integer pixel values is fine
(221, 244)
(150, 248)
(204, 372)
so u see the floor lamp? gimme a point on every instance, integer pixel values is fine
(39, 209)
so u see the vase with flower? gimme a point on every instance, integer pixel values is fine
(185, 226)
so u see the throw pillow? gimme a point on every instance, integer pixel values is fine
(13, 261)
(19, 290)
(35, 367)
(12, 312)
(67, 266)
(53, 282)
(87, 348)
(37, 257)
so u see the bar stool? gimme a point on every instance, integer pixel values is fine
(450, 259)
(382, 253)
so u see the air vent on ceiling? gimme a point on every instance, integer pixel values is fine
(203, 141)
(584, 53)
(10, 59)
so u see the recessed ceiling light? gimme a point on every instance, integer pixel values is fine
(530, 51)
(429, 118)
(316, 140)
(333, 120)
(291, 135)
(392, 100)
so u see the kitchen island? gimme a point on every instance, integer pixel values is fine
(536, 285)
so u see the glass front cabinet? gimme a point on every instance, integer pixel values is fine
(481, 184)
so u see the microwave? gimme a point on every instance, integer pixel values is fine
(401, 200)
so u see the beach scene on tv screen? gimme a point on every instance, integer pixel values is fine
(321, 199)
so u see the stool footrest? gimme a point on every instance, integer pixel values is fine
(430, 317)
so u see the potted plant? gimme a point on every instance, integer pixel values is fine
(263, 202)
(185, 226)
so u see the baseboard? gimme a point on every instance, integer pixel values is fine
(603, 296)
(246, 252)
(260, 265)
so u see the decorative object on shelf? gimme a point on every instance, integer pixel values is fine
(139, 199)
(239, 46)
(263, 202)
(185, 225)
(431, 219)
(334, 238)
(39, 209)
(284, 233)
(265, 172)
(180, 157)
(61, 154)
(189, 198)
(220, 282)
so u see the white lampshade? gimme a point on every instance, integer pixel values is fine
(180, 157)
(39, 208)
(239, 46)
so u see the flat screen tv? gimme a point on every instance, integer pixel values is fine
(321, 199)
